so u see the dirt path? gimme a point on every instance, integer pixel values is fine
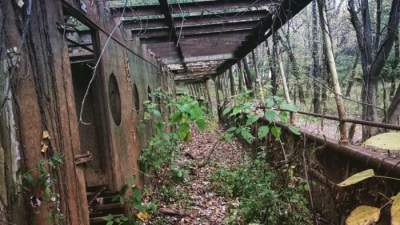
(198, 204)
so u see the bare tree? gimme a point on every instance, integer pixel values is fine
(332, 70)
(373, 53)
(315, 59)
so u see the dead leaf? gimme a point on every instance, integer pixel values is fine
(358, 177)
(395, 210)
(45, 147)
(45, 135)
(143, 216)
(363, 215)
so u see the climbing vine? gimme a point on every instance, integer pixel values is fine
(40, 182)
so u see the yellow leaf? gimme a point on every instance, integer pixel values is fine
(395, 210)
(143, 216)
(358, 177)
(363, 215)
(387, 141)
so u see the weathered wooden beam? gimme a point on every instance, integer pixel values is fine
(286, 10)
(198, 7)
(198, 20)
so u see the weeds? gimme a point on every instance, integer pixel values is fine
(264, 197)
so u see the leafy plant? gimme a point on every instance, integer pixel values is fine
(244, 114)
(40, 182)
(163, 145)
(263, 198)
(131, 196)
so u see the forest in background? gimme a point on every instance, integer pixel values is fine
(365, 48)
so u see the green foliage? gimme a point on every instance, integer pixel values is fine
(131, 196)
(264, 197)
(41, 181)
(244, 114)
(163, 145)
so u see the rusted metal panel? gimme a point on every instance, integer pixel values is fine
(43, 91)
(198, 7)
(286, 10)
(192, 31)
(197, 20)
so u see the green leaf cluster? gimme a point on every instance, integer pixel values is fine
(170, 128)
(263, 197)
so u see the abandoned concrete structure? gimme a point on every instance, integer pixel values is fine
(58, 56)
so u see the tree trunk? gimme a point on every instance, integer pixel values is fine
(217, 86)
(285, 87)
(372, 60)
(352, 75)
(240, 76)
(231, 82)
(247, 75)
(256, 78)
(332, 70)
(394, 109)
(273, 65)
(315, 67)
(295, 69)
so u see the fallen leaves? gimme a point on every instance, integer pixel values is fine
(143, 216)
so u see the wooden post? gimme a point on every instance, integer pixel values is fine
(333, 72)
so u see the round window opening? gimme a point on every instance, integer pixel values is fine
(115, 99)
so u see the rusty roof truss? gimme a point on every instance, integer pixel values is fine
(202, 39)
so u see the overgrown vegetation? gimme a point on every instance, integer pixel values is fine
(263, 194)
(157, 158)
(40, 183)
(244, 113)
(266, 195)
(169, 132)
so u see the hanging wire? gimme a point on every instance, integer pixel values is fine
(97, 64)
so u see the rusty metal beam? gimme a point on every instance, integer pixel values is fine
(192, 7)
(211, 45)
(170, 23)
(355, 121)
(198, 20)
(197, 30)
(239, 35)
(286, 10)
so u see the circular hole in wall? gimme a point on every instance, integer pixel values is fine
(136, 98)
(115, 99)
